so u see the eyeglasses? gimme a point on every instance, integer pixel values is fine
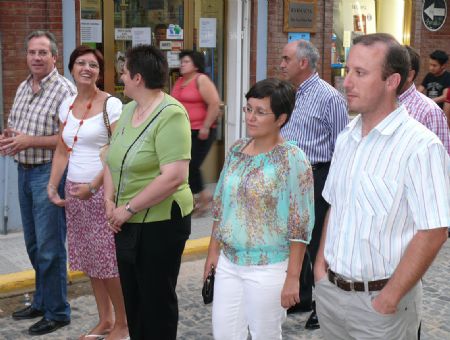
(40, 53)
(258, 113)
(83, 63)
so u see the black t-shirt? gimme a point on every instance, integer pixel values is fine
(434, 86)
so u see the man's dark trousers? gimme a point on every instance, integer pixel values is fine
(320, 209)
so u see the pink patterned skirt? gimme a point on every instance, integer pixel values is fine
(91, 243)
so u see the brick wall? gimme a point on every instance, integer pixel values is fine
(423, 40)
(17, 20)
(276, 38)
(426, 41)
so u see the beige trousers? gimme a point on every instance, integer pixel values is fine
(350, 315)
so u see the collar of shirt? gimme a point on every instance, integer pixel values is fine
(46, 81)
(410, 91)
(386, 127)
(308, 83)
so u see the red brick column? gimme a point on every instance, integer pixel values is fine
(17, 20)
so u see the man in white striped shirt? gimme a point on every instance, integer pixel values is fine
(389, 195)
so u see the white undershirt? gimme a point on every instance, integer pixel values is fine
(84, 161)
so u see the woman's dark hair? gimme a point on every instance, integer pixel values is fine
(281, 95)
(150, 63)
(197, 59)
(82, 50)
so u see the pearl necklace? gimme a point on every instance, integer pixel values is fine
(88, 107)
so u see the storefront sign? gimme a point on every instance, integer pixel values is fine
(298, 36)
(91, 31)
(173, 59)
(177, 45)
(359, 16)
(165, 45)
(174, 32)
(208, 32)
(434, 13)
(141, 36)
(300, 15)
(122, 34)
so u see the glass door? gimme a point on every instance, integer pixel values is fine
(113, 26)
(171, 25)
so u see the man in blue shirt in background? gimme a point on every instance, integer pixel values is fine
(320, 113)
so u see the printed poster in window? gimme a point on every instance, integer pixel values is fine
(207, 32)
(359, 16)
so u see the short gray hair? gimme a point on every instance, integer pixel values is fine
(48, 35)
(306, 49)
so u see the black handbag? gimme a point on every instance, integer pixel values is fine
(208, 287)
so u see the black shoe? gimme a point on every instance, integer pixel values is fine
(27, 313)
(313, 322)
(301, 307)
(45, 326)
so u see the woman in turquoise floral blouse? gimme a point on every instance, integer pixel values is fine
(263, 217)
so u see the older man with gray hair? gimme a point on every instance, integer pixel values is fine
(31, 138)
(320, 113)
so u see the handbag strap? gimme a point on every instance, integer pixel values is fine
(129, 148)
(106, 118)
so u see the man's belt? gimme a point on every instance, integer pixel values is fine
(319, 166)
(30, 166)
(355, 286)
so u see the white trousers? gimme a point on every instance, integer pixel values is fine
(248, 298)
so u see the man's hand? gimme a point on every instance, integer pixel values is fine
(14, 143)
(383, 305)
(320, 269)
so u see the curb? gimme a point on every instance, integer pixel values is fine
(10, 283)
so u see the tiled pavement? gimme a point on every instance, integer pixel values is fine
(195, 318)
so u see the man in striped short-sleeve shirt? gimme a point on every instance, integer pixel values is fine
(31, 139)
(320, 113)
(422, 108)
(389, 192)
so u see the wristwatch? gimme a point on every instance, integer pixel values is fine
(92, 189)
(129, 209)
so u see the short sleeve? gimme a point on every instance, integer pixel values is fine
(114, 109)
(428, 187)
(301, 197)
(426, 80)
(173, 137)
(218, 193)
(64, 108)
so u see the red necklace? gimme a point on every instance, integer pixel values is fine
(88, 107)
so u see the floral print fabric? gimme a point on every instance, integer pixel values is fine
(262, 203)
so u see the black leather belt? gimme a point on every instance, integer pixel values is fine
(30, 166)
(355, 286)
(319, 166)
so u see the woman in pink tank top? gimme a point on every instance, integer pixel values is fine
(199, 96)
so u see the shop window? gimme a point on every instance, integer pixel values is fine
(352, 18)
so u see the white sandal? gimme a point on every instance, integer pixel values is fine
(95, 336)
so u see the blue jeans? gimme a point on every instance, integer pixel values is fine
(44, 230)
